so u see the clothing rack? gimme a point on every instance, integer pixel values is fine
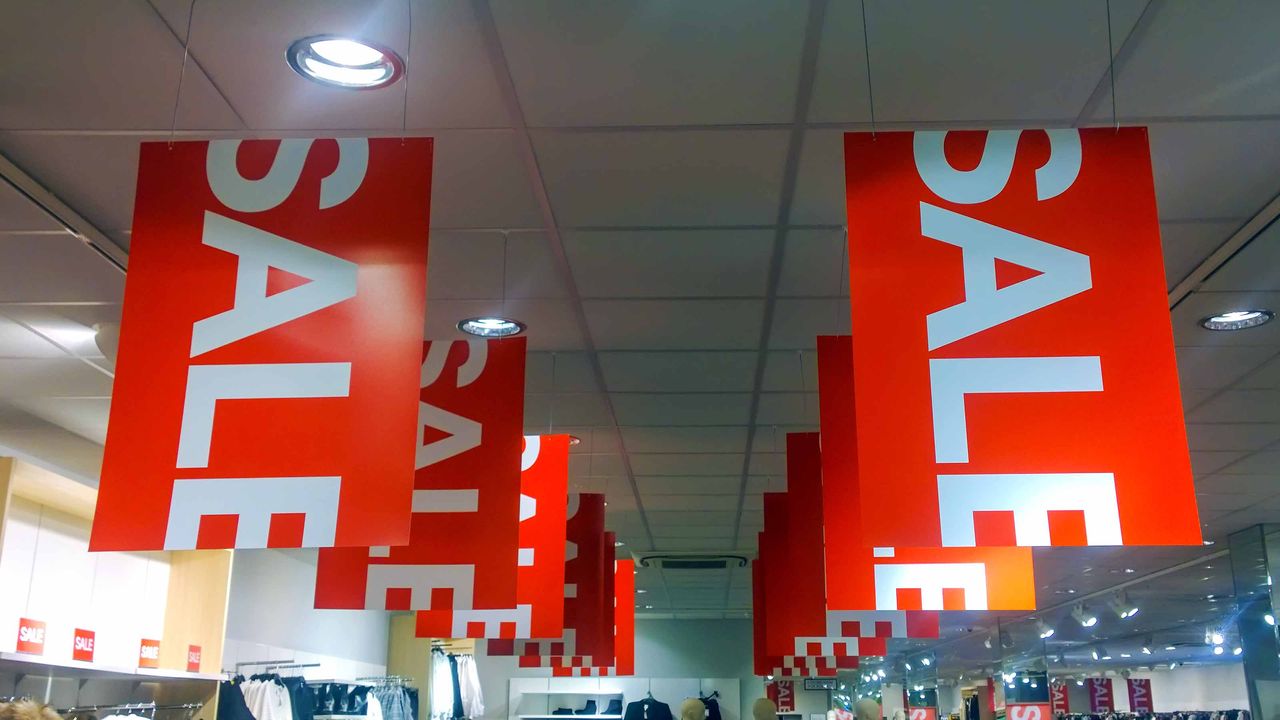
(150, 706)
(398, 680)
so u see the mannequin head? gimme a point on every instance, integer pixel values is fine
(867, 709)
(764, 709)
(693, 709)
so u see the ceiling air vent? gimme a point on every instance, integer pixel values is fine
(692, 561)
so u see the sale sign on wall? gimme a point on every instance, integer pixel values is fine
(783, 695)
(31, 636)
(270, 348)
(1101, 699)
(82, 645)
(149, 654)
(861, 577)
(1007, 401)
(193, 658)
(1140, 695)
(464, 546)
(1028, 711)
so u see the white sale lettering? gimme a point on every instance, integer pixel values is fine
(1061, 274)
(31, 635)
(1024, 712)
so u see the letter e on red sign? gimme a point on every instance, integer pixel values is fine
(1014, 369)
(267, 379)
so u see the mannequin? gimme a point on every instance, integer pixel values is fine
(764, 709)
(867, 709)
(693, 709)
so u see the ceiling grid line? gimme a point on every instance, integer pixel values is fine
(502, 71)
(193, 60)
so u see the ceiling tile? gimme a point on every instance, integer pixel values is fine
(17, 341)
(681, 409)
(670, 263)
(117, 66)
(1251, 406)
(688, 545)
(18, 214)
(792, 370)
(1199, 59)
(653, 63)
(771, 464)
(56, 268)
(546, 410)
(815, 264)
(674, 324)
(1257, 463)
(1237, 484)
(788, 409)
(606, 465)
(696, 531)
(1217, 367)
(51, 377)
(687, 464)
(1236, 159)
(546, 372)
(86, 417)
(691, 502)
(679, 371)
(686, 178)
(685, 439)
(819, 196)
(470, 266)
(692, 518)
(1232, 436)
(480, 181)
(1254, 268)
(1207, 463)
(1268, 376)
(1013, 58)
(551, 323)
(1189, 243)
(698, 485)
(798, 323)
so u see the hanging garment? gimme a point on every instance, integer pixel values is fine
(301, 698)
(231, 704)
(412, 694)
(373, 711)
(441, 687)
(713, 708)
(647, 709)
(393, 702)
(457, 709)
(268, 699)
(469, 684)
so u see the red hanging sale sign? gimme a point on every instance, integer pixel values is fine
(270, 346)
(1059, 698)
(149, 654)
(783, 695)
(193, 658)
(624, 631)
(1140, 695)
(1002, 403)
(82, 645)
(860, 577)
(1101, 699)
(31, 635)
(1028, 711)
(463, 550)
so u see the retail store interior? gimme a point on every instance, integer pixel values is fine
(664, 206)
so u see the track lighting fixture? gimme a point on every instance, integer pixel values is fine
(1083, 616)
(1044, 629)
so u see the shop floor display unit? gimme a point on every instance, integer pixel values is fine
(539, 697)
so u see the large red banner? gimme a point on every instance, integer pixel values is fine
(621, 616)
(270, 346)
(463, 551)
(860, 577)
(584, 586)
(1140, 695)
(1059, 698)
(1014, 368)
(1101, 698)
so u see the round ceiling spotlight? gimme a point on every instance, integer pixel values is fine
(346, 63)
(491, 327)
(574, 440)
(1237, 320)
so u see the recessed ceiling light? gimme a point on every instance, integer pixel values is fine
(575, 440)
(618, 543)
(1170, 647)
(491, 327)
(1237, 320)
(1237, 651)
(1217, 649)
(344, 62)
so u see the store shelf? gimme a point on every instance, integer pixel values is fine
(35, 665)
(565, 717)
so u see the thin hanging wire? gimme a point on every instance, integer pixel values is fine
(506, 242)
(1111, 70)
(844, 268)
(408, 54)
(551, 405)
(182, 73)
(866, 49)
(804, 386)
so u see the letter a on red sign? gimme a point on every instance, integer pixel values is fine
(267, 379)
(1013, 359)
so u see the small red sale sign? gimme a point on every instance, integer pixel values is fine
(82, 647)
(193, 658)
(31, 636)
(149, 654)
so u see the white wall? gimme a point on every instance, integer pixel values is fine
(48, 574)
(664, 649)
(271, 615)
